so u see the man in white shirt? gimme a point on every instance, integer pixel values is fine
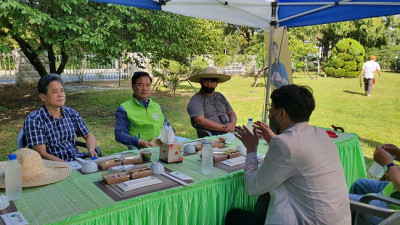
(301, 171)
(368, 70)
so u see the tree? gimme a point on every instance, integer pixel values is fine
(77, 27)
(302, 43)
(346, 60)
(370, 32)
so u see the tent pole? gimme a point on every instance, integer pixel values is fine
(273, 24)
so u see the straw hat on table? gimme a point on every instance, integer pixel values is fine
(37, 171)
(209, 72)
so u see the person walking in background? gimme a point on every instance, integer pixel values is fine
(368, 70)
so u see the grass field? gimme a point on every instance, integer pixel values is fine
(341, 102)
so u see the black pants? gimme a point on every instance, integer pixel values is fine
(241, 216)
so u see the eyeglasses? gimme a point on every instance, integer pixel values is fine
(269, 107)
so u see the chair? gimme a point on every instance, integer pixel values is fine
(21, 142)
(391, 216)
(200, 132)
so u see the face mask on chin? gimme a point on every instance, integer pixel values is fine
(207, 90)
(274, 125)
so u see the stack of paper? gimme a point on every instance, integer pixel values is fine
(376, 170)
(235, 161)
(138, 183)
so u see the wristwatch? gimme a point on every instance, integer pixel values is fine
(386, 167)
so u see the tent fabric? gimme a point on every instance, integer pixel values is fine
(257, 13)
(146, 4)
(330, 12)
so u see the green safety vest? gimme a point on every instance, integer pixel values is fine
(388, 191)
(144, 123)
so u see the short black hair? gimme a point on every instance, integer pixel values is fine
(46, 80)
(138, 74)
(297, 101)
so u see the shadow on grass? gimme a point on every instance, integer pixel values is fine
(353, 92)
(370, 143)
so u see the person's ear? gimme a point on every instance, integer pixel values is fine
(281, 114)
(42, 97)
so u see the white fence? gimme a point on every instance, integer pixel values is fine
(15, 68)
(7, 69)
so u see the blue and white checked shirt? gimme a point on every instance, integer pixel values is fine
(40, 127)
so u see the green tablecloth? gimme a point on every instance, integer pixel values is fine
(205, 201)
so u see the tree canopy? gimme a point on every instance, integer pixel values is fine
(77, 27)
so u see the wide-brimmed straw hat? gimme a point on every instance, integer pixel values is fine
(209, 72)
(37, 171)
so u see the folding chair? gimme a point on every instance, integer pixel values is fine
(362, 207)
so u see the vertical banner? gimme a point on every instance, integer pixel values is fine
(281, 68)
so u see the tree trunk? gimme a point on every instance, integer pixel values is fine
(31, 55)
(64, 60)
(52, 58)
(325, 48)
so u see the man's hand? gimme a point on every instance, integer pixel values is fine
(382, 157)
(277, 77)
(144, 144)
(264, 131)
(92, 153)
(392, 149)
(249, 140)
(229, 128)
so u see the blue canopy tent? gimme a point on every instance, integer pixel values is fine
(268, 14)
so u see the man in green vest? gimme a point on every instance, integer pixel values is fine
(140, 119)
(361, 187)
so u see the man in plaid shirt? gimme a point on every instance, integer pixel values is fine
(51, 129)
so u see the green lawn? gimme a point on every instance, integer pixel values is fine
(341, 102)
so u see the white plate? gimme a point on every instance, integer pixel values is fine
(138, 183)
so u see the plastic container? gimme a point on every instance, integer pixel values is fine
(249, 125)
(207, 159)
(13, 178)
(164, 133)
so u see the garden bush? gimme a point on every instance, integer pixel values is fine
(346, 59)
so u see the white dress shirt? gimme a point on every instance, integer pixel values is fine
(304, 176)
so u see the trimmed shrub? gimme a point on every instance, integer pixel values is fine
(346, 59)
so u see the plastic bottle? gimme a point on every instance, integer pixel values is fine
(164, 133)
(13, 178)
(207, 159)
(249, 125)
